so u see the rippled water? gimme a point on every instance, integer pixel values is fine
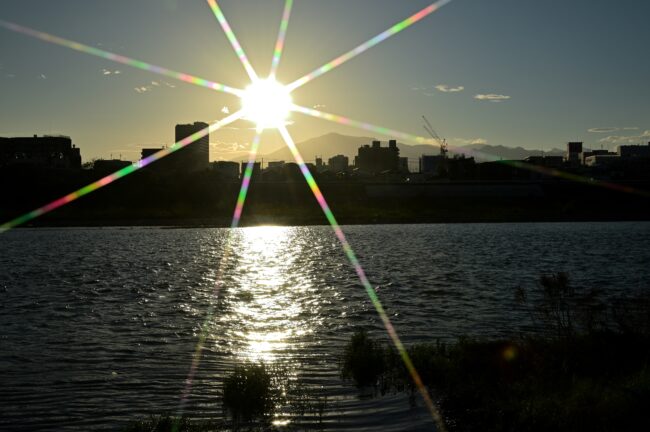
(100, 326)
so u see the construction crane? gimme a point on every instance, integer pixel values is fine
(441, 142)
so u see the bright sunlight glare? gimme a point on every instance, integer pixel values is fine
(266, 103)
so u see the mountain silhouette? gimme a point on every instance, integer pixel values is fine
(333, 144)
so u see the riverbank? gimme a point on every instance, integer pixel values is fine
(203, 201)
(369, 213)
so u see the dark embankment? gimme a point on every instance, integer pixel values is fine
(148, 198)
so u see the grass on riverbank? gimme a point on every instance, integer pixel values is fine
(586, 369)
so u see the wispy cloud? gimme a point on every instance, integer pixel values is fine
(107, 72)
(491, 97)
(611, 129)
(225, 110)
(446, 89)
(466, 141)
(431, 90)
(229, 147)
(42, 76)
(627, 139)
(153, 85)
(318, 106)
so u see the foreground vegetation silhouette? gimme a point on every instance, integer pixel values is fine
(583, 368)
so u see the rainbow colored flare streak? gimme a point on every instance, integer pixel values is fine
(233, 39)
(517, 164)
(246, 181)
(117, 174)
(279, 45)
(361, 125)
(196, 357)
(368, 44)
(120, 58)
(362, 277)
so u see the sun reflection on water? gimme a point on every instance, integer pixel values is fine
(268, 302)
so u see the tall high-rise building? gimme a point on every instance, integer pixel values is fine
(195, 156)
(573, 151)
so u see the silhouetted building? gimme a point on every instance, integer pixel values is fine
(403, 165)
(194, 156)
(586, 154)
(226, 169)
(257, 167)
(146, 152)
(338, 163)
(275, 164)
(55, 152)
(461, 168)
(433, 165)
(601, 160)
(377, 159)
(573, 151)
(110, 165)
(284, 172)
(635, 151)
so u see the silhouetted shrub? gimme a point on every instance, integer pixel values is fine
(561, 309)
(248, 393)
(363, 360)
(587, 369)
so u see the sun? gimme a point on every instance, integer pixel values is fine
(267, 103)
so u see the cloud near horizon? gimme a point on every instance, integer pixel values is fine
(610, 129)
(229, 147)
(471, 141)
(491, 97)
(446, 89)
(627, 139)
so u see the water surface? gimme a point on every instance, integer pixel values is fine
(99, 326)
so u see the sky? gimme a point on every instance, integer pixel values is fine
(524, 73)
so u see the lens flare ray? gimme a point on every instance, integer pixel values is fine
(246, 180)
(241, 199)
(117, 174)
(279, 45)
(233, 39)
(517, 164)
(361, 125)
(402, 25)
(362, 277)
(119, 58)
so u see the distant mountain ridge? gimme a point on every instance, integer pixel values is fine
(332, 144)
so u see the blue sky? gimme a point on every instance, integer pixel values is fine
(556, 70)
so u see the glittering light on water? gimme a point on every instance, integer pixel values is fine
(363, 278)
